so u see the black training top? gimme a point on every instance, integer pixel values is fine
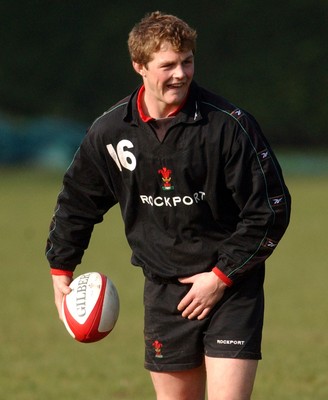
(210, 194)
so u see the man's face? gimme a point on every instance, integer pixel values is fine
(167, 78)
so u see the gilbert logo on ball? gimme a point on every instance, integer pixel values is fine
(91, 309)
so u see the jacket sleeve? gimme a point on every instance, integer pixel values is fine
(85, 197)
(255, 181)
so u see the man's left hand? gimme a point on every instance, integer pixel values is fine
(206, 290)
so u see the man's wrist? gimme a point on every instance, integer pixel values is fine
(56, 271)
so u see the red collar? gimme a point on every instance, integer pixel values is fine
(147, 118)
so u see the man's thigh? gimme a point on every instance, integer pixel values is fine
(181, 385)
(230, 378)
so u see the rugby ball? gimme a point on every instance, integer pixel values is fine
(91, 309)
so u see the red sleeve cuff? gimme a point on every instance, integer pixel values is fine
(223, 277)
(55, 271)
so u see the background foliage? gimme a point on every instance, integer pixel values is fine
(69, 59)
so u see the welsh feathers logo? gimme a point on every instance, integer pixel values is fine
(158, 349)
(166, 178)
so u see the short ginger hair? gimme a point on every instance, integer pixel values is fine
(147, 36)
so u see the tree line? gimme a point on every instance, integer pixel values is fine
(70, 59)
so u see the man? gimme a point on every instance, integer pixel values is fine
(204, 204)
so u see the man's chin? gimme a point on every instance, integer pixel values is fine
(175, 99)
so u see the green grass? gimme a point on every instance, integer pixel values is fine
(39, 360)
(295, 361)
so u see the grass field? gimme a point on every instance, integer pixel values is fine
(39, 360)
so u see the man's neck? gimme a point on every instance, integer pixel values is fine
(156, 110)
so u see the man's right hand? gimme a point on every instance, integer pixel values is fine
(61, 288)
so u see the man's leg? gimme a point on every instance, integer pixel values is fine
(182, 385)
(229, 378)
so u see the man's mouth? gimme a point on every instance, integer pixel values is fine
(175, 85)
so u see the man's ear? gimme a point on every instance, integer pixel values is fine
(139, 68)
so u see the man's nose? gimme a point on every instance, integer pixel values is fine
(179, 72)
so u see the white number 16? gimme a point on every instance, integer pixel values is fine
(123, 158)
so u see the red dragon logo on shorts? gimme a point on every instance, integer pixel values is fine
(158, 349)
(166, 178)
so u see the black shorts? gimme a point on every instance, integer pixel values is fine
(233, 329)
